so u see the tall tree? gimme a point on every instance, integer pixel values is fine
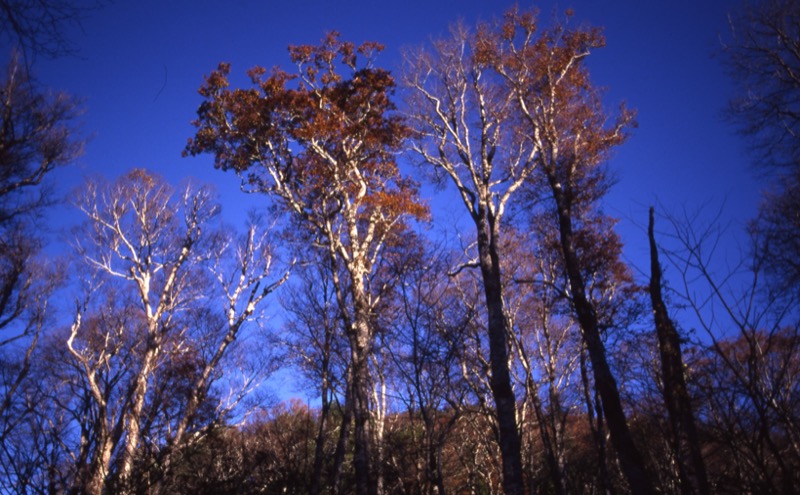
(464, 129)
(507, 108)
(685, 441)
(562, 117)
(322, 143)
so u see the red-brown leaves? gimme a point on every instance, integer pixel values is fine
(322, 59)
(558, 103)
(322, 139)
(216, 81)
(486, 50)
(514, 20)
(256, 74)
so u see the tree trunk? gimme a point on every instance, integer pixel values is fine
(361, 460)
(546, 423)
(360, 338)
(379, 430)
(549, 448)
(594, 413)
(319, 445)
(96, 483)
(498, 329)
(133, 416)
(629, 456)
(686, 445)
(341, 444)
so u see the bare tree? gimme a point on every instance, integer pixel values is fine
(141, 331)
(685, 440)
(547, 350)
(37, 134)
(428, 344)
(754, 351)
(41, 27)
(775, 234)
(763, 58)
(316, 342)
(464, 129)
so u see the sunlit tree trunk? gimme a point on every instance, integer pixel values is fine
(323, 146)
(133, 417)
(360, 336)
(359, 345)
(130, 330)
(379, 412)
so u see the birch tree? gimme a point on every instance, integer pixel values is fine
(464, 130)
(322, 142)
(147, 341)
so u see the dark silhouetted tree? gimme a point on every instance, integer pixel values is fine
(683, 428)
(41, 27)
(763, 58)
(38, 133)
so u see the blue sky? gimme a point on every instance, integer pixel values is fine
(140, 63)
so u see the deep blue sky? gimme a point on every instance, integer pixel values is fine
(140, 64)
